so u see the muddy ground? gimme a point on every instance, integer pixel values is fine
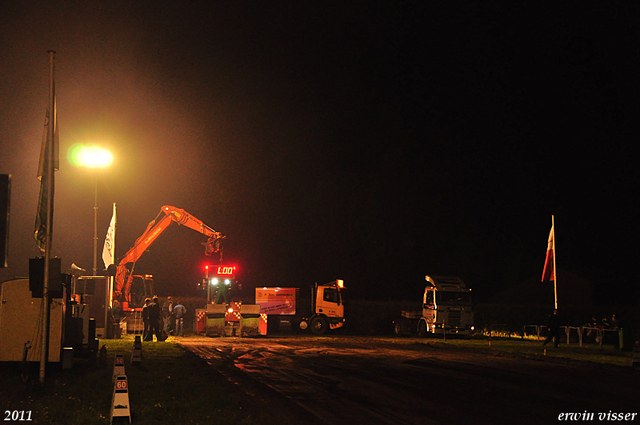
(362, 380)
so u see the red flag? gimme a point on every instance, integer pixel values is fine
(548, 271)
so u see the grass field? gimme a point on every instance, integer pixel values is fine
(173, 386)
(605, 355)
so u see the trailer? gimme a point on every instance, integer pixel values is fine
(21, 324)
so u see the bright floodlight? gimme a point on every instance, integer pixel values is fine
(95, 157)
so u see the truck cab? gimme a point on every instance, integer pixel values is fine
(446, 307)
(329, 307)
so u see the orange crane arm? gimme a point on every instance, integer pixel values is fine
(155, 228)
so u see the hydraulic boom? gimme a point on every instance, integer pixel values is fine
(124, 276)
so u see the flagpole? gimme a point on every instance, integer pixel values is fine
(50, 191)
(95, 224)
(555, 275)
(113, 250)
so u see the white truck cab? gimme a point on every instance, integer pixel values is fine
(446, 308)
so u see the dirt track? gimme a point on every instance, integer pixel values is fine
(360, 380)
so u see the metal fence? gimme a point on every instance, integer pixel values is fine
(584, 334)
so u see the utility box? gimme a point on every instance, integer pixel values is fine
(95, 292)
(21, 324)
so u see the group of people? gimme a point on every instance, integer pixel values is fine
(613, 324)
(595, 330)
(553, 328)
(162, 320)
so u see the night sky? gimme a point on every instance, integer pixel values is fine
(372, 141)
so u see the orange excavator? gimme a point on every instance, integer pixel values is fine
(166, 216)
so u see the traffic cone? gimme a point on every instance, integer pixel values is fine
(118, 366)
(120, 409)
(136, 356)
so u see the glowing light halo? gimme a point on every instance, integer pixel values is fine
(89, 156)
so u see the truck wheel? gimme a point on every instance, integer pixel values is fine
(422, 329)
(400, 328)
(319, 325)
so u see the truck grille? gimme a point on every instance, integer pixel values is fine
(454, 319)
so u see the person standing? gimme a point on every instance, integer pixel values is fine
(116, 313)
(167, 312)
(179, 312)
(145, 320)
(553, 327)
(154, 319)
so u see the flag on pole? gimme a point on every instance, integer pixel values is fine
(44, 207)
(109, 250)
(548, 273)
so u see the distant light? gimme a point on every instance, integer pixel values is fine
(89, 156)
(214, 281)
(227, 281)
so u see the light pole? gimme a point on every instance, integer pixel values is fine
(95, 157)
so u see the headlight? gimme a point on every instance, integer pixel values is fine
(214, 281)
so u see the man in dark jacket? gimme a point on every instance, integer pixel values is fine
(553, 327)
(154, 319)
(145, 320)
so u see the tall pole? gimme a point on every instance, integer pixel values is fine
(49, 149)
(95, 225)
(555, 275)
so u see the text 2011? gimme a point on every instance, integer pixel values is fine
(17, 415)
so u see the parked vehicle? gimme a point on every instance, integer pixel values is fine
(285, 310)
(446, 308)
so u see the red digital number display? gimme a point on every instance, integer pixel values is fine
(225, 270)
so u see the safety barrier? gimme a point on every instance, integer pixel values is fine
(249, 320)
(583, 333)
(215, 319)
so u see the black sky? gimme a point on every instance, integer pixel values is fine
(373, 141)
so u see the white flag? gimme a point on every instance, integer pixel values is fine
(109, 250)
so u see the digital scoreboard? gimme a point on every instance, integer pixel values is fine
(220, 271)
